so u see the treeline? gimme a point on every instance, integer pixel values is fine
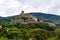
(36, 31)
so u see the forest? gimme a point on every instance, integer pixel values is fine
(35, 31)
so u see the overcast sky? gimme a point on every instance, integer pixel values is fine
(13, 7)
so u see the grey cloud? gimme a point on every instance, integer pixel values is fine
(12, 7)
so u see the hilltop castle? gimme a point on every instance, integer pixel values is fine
(24, 18)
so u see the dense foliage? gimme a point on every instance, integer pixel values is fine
(36, 31)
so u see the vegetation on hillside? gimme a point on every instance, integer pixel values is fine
(36, 31)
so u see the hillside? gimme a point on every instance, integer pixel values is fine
(18, 31)
(34, 31)
(41, 16)
(47, 17)
(7, 19)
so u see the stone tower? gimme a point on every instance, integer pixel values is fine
(22, 13)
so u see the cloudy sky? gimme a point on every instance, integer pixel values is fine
(13, 7)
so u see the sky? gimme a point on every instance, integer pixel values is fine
(14, 7)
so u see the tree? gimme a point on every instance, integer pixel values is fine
(24, 18)
(57, 31)
(38, 34)
(3, 38)
(53, 38)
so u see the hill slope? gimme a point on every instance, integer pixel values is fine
(47, 17)
(41, 16)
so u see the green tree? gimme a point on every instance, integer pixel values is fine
(53, 38)
(57, 31)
